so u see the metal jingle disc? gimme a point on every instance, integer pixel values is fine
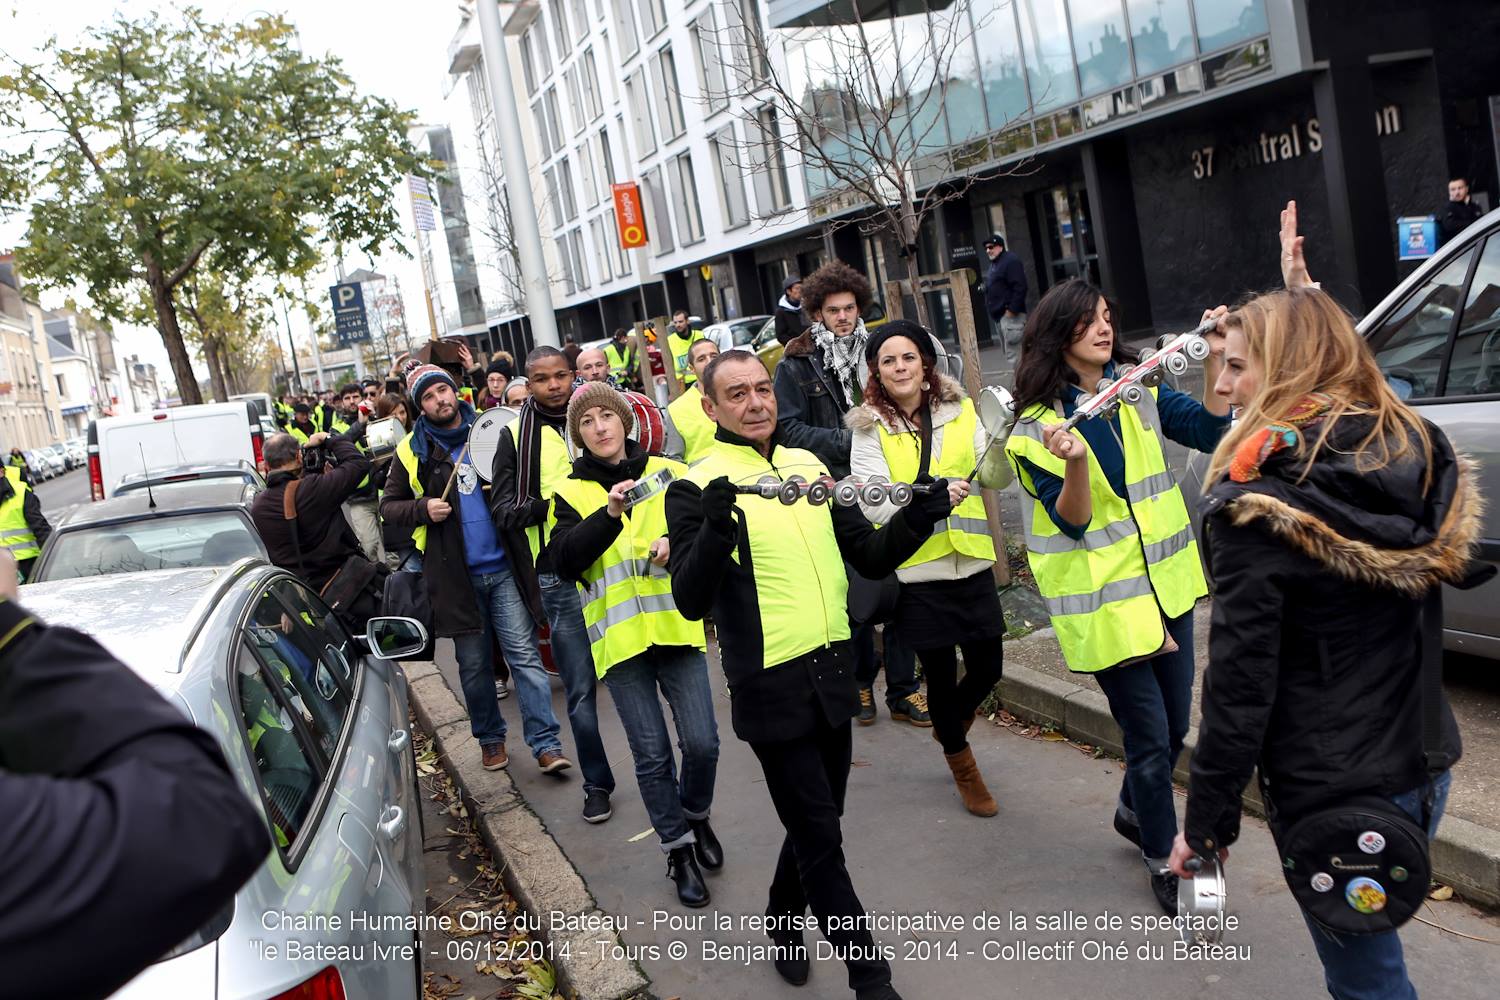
(901, 494)
(1197, 348)
(1177, 364)
(1133, 394)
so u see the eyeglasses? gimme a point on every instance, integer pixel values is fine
(371, 393)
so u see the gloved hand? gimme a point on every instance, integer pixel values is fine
(718, 504)
(930, 505)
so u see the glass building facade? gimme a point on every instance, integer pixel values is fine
(988, 80)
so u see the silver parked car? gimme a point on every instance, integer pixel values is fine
(1437, 338)
(314, 727)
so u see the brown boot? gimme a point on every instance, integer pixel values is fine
(977, 798)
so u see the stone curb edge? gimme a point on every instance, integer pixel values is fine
(1465, 855)
(532, 863)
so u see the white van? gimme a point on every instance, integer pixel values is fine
(209, 434)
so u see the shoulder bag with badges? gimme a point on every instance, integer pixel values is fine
(1361, 866)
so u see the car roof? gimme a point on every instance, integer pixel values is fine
(183, 498)
(144, 619)
(235, 468)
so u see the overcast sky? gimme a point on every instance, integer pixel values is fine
(397, 50)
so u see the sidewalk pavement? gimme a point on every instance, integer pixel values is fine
(912, 850)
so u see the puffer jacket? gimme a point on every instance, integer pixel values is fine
(867, 458)
(1315, 652)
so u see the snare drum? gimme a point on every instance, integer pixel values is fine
(649, 430)
(484, 438)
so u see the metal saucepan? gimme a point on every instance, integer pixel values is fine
(484, 437)
(1202, 898)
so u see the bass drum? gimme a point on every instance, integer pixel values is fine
(484, 437)
(650, 430)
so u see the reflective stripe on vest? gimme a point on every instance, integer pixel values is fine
(966, 531)
(696, 430)
(556, 467)
(678, 348)
(1138, 560)
(801, 588)
(15, 533)
(627, 599)
(408, 459)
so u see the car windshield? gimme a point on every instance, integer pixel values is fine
(206, 538)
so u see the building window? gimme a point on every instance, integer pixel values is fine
(543, 54)
(1163, 34)
(685, 198)
(580, 258)
(592, 99)
(622, 256)
(711, 77)
(1100, 45)
(601, 248)
(1000, 64)
(554, 197)
(575, 99)
(668, 96)
(564, 257)
(565, 182)
(1222, 23)
(1049, 60)
(555, 124)
(653, 16)
(580, 18)
(661, 217)
(749, 41)
(637, 97)
(528, 62)
(731, 177)
(625, 23)
(606, 157)
(586, 174)
(559, 15)
(543, 136)
(767, 157)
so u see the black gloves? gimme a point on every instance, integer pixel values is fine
(929, 505)
(718, 504)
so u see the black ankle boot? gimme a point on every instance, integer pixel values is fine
(883, 992)
(790, 956)
(1164, 886)
(709, 851)
(682, 868)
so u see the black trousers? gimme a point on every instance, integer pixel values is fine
(807, 778)
(951, 700)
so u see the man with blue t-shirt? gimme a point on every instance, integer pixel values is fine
(433, 488)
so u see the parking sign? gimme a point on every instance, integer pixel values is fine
(349, 322)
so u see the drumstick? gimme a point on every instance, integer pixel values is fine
(447, 489)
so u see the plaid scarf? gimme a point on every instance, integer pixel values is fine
(1253, 452)
(844, 358)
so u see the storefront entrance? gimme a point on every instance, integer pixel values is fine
(1061, 223)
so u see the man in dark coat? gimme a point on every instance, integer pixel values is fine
(435, 490)
(324, 540)
(790, 319)
(1005, 290)
(122, 828)
(1460, 211)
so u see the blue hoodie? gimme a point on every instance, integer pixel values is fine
(482, 551)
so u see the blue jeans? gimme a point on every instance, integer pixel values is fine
(570, 651)
(504, 613)
(1371, 966)
(682, 674)
(1152, 701)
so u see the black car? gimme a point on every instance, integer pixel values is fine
(203, 523)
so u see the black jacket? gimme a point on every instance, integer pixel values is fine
(578, 542)
(31, 508)
(122, 828)
(1457, 216)
(713, 575)
(810, 406)
(511, 522)
(1005, 285)
(445, 567)
(1315, 648)
(790, 321)
(323, 530)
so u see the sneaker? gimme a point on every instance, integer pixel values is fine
(867, 707)
(596, 806)
(1165, 888)
(913, 709)
(494, 757)
(502, 690)
(552, 761)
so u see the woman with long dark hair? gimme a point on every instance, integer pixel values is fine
(916, 425)
(1111, 547)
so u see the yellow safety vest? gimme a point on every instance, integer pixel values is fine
(627, 599)
(556, 466)
(967, 530)
(678, 348)
(340, 427)
(15, 533)
(800, 584)
(692, 423)
(621, 361)
(408, 459)
(1137, 560)
(298, 433)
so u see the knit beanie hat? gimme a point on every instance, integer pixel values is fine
(501, 366)
(425, 377)
(590, 395)
(914, 332)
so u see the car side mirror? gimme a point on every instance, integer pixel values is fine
(392, 638)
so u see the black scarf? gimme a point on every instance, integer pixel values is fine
(529, 449)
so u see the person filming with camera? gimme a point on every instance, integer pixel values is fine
(301, 519)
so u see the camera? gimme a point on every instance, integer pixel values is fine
(314, 458)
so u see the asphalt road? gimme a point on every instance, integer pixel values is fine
(57, 495)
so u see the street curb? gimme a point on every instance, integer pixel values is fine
(531, 862)
(1465, 855)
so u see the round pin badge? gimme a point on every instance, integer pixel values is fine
(1365, 895)
(1399, 874)
(1371, 842)
(1322, 882)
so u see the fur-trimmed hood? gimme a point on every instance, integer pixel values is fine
(1377, 528)
(800, 346)
(949, 397)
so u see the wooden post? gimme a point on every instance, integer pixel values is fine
(893, 297)
(958, 283)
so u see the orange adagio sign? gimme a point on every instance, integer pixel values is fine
(629, 217)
